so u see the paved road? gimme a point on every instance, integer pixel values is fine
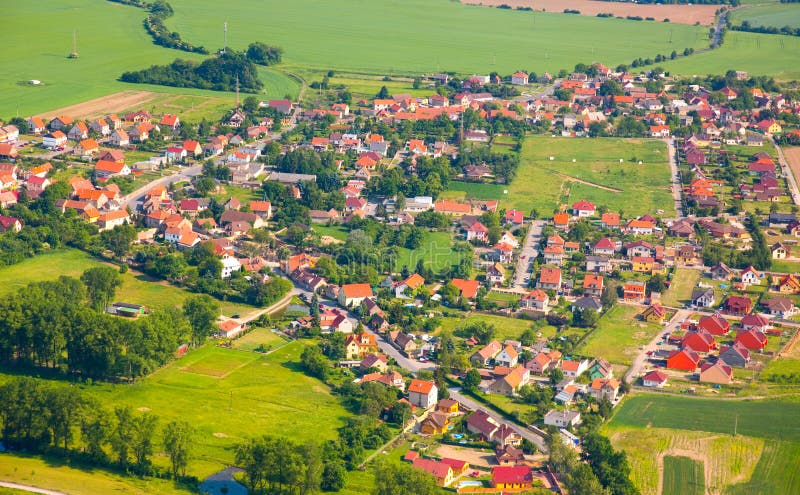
(132, 199)
(639, 362)
(787, 171)
(530, 250)
(677, 188)
(537, 440)
(28, 488)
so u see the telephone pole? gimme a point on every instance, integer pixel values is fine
(74, 53)
(225, 37)
(237, 92)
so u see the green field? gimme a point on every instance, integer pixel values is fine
(136, 288)
(229, 395)
(776, 471)
(544, 184)
(506, 328)
(472, 190)
(55, 474)
(436, 251)
(759, 54)
(41, 33)
(618, 335)
(683, 476)
(680, 289)
(770, 15)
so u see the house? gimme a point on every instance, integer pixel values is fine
(170, 121)
(35, 125)
(583, 208)
(439, 470)
(515, 216)
(119, 138)
(609, 220)
(422, 393)
(108, 221)
(87, 147)
(736, 355)
(480, 423)
(703, 298)
(357, 346)
(750, 276)
(752, 339)
(593, 285)
(549, 278)
(719, 373)
(634, 291)
(684, 359)
(412, 283)
(229, 265)
(55, 139)
(598, 264)
(789, 284)
(403, 341)
(535, 300)
(8, 150)
(714, 324)
(519, 79)
(100, 126)
(654, 379)
(507, 357)
(781, 307)
(511, 382)
(352, 295)
(104, 169)
(483, 357)
(757, 322)
(574, 368)
(769, 127)
(229, 328)
(390, 379)
(508, 455)
(496, 274)
(477, 232)
(562, 419)
(654, 313)
(699, 341)
(737, 305)
(517, 478)
(544, 362)
(720, 271)
(467, 288)
(639, 227)
(435, 424)
(604, 247)
(604, 388)
(60, 122)
(780, 251)
(447, 406)
(78, 131)
(8, 223)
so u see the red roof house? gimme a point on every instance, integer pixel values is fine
(752, 339)
(685, 359)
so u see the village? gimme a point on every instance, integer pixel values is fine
(344, 202)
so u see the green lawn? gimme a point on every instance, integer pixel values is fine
(136, 288)
(770, 15)
(335, 231)
(41, 33)
(506, 328)
(259, 338)
(683, 476)
(773, 419)
(680, 290)
(229, 395)
(544, 184)
(436, 251)
(55, 474)
(759, 54)
(373, 37)
(619, 335)
(474, 190)
(776, 471)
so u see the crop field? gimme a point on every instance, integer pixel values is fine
(42, 32)
(372, 37)
(758, 54)
(618, 335)
(136, 288)
(228, 395)
(55, 474)
(543, 184)
(680, 289)
(770, 15)
(683, 476)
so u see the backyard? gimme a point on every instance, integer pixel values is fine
(619, 335)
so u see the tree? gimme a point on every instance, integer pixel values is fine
(177, 441)
(202, 311)
(143, 431)
(101, 284)
(383, 93)
(263, 54)
(122, 436)
(656, 284)
(609, 296)
(333, 476)
(471, 380)
(402, 479)
(118, 240)
(315, 362)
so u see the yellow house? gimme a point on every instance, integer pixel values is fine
(654, 313)
(447, 406)
(435, 424)
(642, 264)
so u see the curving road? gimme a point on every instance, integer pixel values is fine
(132, 199)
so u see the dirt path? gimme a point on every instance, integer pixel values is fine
(680, 14)
(569, 178)
(31, 489)
(99, 107)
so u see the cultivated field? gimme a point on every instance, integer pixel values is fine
(136, 288)
(373, 37)
(618, 335)
(770, 15)
(681, 14)
(596, 175)
(683, 476)
(792, 156)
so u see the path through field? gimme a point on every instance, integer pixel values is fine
(31, 489)
(680, 14)
(102, 106)
(569, 178)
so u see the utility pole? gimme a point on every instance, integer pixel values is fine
(74, 53)
(225, 37)
(237, 92)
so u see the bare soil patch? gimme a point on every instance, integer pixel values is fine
(472, 456)
(104, 105)
(792, 155)
(680, 14)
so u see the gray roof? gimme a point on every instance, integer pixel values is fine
(588, 302)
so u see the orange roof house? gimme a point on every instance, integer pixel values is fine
(468, 288)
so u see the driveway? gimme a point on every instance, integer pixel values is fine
(530, 250)
(639, 362)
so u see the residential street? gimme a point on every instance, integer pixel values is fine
(641, 359)
(787, 171)
(133, 198)
(529, 252)
(672, 157)
(537, 439)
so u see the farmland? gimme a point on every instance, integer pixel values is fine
(543, 184)
(136, 288)
(770, 15)
(683, 476)
(371, 37)
(618, 335)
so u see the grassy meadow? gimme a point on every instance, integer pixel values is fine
(683, 476)
(682, 283)
(770, 15)
(544, 184)
(618, 335)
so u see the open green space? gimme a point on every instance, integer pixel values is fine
(680, 289)
(372, 37)
(259, 339)
(436, 251)
(55, 474)
(758, 54)
(136, 288)
(683, 476)
(42, 33)
(229, 395)
(776, 471)
(773, 419)
(473, 190)
(544, 184)
(619, 335)
(506, 328)
(769, 15)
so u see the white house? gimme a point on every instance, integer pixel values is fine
(422, 393)
(519, 79)
(508, 357)
(55, 139)
(562, 419)
(230, 265)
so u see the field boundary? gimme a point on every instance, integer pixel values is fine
(569, 178)
(675, 452)
(98, 107)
